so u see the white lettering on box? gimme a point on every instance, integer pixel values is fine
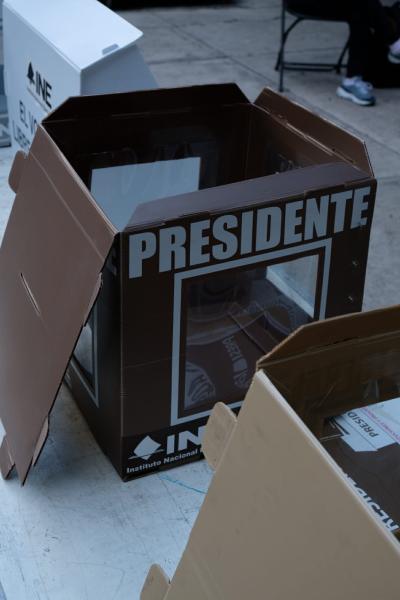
(255, 230)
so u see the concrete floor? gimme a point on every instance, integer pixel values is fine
(75, 531)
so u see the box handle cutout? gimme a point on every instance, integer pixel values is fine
(110, 49)
(30, 294)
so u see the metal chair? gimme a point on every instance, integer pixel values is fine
(282, 64)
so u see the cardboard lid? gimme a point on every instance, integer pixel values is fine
(83, 31)
(326, 133)
(51, 259)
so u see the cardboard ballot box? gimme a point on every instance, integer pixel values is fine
(54, 50)
(281, 518)
(213, 227)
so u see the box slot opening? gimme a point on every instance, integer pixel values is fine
(238, 317)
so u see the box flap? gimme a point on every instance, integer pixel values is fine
(220, 427)
(16, 171)
(147, 101)
(250, 192)
(335, 330)
(333, 366)
(6, 462)
(329, 135)
(281, 520)
(156, 585)
(83, 31)
(51, 258)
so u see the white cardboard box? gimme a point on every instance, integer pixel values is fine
(55, 49)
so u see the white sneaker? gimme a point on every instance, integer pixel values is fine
(394, 53)
(357, 90)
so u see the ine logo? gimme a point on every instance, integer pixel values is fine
(175, 442)
(39, 85)
(146, 448)
(178, 447)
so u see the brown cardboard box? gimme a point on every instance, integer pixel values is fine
(213, 227)
(281, 518)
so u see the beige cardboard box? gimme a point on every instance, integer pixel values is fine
(281, 520)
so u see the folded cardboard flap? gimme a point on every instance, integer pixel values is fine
(40, 443)
(6, 461)
(220, 427)
(280, 519)
(266, 188)
(51, 258)
(318, 128)
(156, 585)
(16, 170)
(333, 331)
(142, 102)
(325, 370)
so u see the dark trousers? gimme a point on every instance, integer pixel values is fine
(363, 16)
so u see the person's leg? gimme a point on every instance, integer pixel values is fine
(355, 88)
(364, 16)
(360, 33)
(315, 8)
(379, 20)
(346, 10)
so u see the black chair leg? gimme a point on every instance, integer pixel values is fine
(282, 65)
(339, 65)
(280, 62)
(281, 56)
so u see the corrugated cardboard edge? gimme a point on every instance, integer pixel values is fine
(6, 461)
(345, 144)
(41, 441)
(220, 427)
(16, 170)
(146, 101)
(335, 330)
(156, 585)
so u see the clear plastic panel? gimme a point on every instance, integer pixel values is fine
(118, 190)
(237, 318)
(297, 279)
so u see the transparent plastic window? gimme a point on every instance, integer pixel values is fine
(237, 317)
